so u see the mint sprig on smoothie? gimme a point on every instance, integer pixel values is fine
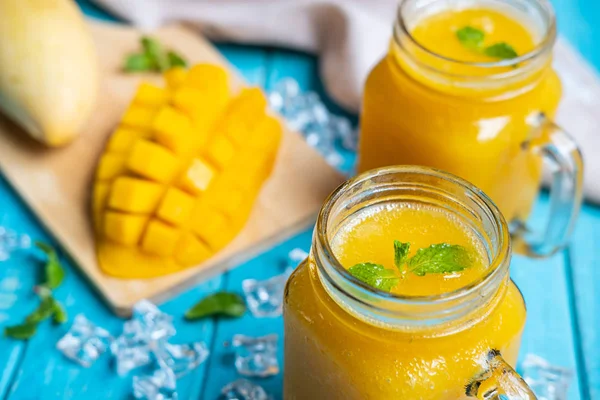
(474, 38)
(440, 258)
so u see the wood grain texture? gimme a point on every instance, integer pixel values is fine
(56, 184)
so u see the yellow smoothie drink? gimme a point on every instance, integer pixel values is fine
(447, 95)
(416, 339)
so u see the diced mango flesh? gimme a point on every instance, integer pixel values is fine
(134, 195)
(150, 95)
(176, 207)
(197, 177)
(179, 176)
(160, 238)
(152, 161)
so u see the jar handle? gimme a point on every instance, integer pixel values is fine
(499, 382)
(564, 157)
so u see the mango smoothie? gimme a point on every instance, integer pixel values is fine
(450, 95)
(398, 342)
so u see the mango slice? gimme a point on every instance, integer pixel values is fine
(180, 174)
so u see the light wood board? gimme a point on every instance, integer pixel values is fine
(56, 182)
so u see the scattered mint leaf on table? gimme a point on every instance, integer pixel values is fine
(49, 307)
(375, 275)
(23, 331)
(440, 258)
(59, 315)
(400, 253)
(55, 273)
(221, 303)
(44, 311)
(473, 38)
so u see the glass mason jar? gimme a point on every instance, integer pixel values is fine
(487, 122)
(347, 340)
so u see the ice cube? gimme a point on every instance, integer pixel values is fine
(243, 389)
(153, 322)
(549, 382)
(343, 130)
(161, 385)
(183, 358)
(132, 348)
(84, 342)
(256, 356)
(265, 298)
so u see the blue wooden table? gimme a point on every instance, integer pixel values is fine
(562, 293)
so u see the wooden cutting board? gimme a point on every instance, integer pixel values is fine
(56, 183)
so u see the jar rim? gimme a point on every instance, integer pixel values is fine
(544, 46)
(498, 263)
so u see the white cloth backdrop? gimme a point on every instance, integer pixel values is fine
(350, 36)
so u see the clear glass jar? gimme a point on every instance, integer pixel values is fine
(487, 122)
(347, 340)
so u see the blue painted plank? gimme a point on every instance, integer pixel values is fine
(550, 320)
(17, 277)
(585, 274)
(221, 368)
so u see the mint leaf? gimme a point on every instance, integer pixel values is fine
(23, 331)
(440, 258)
(222, 303)
(139, 63)
(59, 315)
(54, 271)
(44, 311)
(470, 37)
(501, 50)
(155, 51)
(176, 60)
(400, 253)
(375, 275)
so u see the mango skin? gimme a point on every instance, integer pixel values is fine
(49, 73)
(179, 176)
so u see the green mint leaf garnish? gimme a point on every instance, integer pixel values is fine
(222, 303)
(470, 37)
(176, 60)
(155, 51)
(400, 253)
(153, 58)
(502, 50)
(54, 271)
(375, 275)
(139, 63)
(440, 258)
(23, 331)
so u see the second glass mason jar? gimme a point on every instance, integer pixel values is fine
(347, 340)
(435, 101)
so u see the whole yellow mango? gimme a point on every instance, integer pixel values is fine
(48, 68)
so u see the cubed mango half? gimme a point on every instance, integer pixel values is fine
(181, 172)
